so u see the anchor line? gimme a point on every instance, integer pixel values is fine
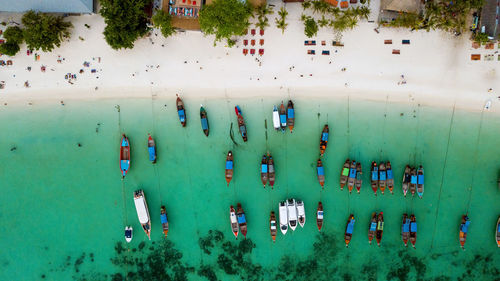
(475, 160)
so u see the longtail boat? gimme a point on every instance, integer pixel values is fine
(405, 229)
(420, 182)
(283, 211)
(204, 121)
(464, 228)
(349, 228)
(352, 176)
(234, 221)
(406, 180)
(242, 221)
(413, 230)
(164, 221)
(282, 116)
(323, 142)
(276, 119)
(359, 177)
(124, 155)
(390, 177)
(151, 149)
(241, 123)
(344, 173)
(301, 213)
(229, 167)
(263, 170)
(372, 228)
(291, 207)
(380, 227)
(382, 178)
(374, 180)
(290, 112)
(319, 216)
(271, 172)
(321, 173)
(497, 232)
(413, 181)
(181, 112)
(272, 226)
(141, 206)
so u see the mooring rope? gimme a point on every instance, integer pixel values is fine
(475, 161)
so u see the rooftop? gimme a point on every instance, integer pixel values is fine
(48, 6)
(406, 6)
(490, 14)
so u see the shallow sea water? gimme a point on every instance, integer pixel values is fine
(64, 207)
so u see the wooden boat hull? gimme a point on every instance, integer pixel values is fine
(320, 172)
(374, 177)
(405, 233)
(181, 112)
(349, 230)
(420, 182)
(241, 123)
(380, 228)
(413, 230)
(406, 180)
(241, 222)
(319, 216)
(390, 177)
(273, 226)
(497, 232)
(124, 155)
(264, 171)
(282, 112)
(151, 149)
(229, 167)
(233, 221)
(352, 176)
(272, 173)
(290, 121)
(382, 182)
(372, 228)
(359, 177)
(204, 121)
(323, 141)
(164, 221)
(463, 234)
(344, 173)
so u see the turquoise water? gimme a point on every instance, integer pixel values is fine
(64, 206)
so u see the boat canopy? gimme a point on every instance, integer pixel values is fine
(380, 225)
(465, 227)
(498, 228)
(350, 226)
(241, 218)
(283, 118)
(352, 173)
(374, 175)
(324, 137)
(239, 109)
(345, 172)
(124, 165)
(164, 218)
(124, 142)
(320, 214)
(152, 153)
(291, 113)
(273, 225)
(182, 115)
(321, 171)
(229, 165)
(390, 176)
(373, 226)
(128, 233)
(142, 211)
(383, 176)
(420, 179)
(413, 179)
(413, 227)
(204, 123)
(406, 226)
(264, 168)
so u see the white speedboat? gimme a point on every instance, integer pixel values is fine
(301, 213)
(128, 233)
(283, 217)
(142, 211)
(292, 213)
(276, 119)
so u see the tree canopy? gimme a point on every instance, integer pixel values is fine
(125, 21)
(9, 48)
(43, 31)
(14, 34)
(163, 21)
(310, 26)
(225, 18)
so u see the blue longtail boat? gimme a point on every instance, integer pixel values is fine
(181, 112)
(323, 142)
(374, 179)
(413, 230)
(349, 230)
(464, 228)
(413, 181)
(229, 167)
(290, 121)
(241, 123)
(151, 149)
(420, 182)
(263, 170)
(164, 221)
(405, 229)
(390, 177)
(382, 178)
(352, 176)
(282, 116)
(124, 155)
(321, 173)
(204, 121)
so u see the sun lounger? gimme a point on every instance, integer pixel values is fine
(395, 52)
(311, 52)
(252, 42)
(9, 62)
(252, 32)
(245, 52)
(337, 44)
(323, 43)
(475, 45)
(261, 32)
(261, 42)
(475, 57)
(344, 4)
(245, 42)
(354, 1)
(405, 42)
(310, 43)
(334, 3)
(261, 52)
(489, 46)
(325, 52)
(387, 42)
(252, 52)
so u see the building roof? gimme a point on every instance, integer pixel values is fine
(407, 6)
(48, 6)
(490, 14)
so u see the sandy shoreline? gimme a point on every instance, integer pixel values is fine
(436, 68)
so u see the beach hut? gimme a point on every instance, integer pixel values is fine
(334, 3)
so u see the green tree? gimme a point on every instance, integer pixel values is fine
(481, 38)
(125, 21)
(261, 12)
(281, 21)
(14, 34)
(43, 31)
(163, 21)
(224, 19)
(310, 27)
(9, 48)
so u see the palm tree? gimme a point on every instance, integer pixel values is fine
(281, 21)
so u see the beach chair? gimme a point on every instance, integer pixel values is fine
(489, 46)
(9, 62)
(325, 52)
(245, 42)
(245, 52)
(476, 45)
(475, 57)
(252, 32)
(387, 42)
(395, 52)
(337, 44)
(261, 42)
(252, 52)
(261, 32)
(323, 43)
(344, 4)
(405, 42)
(252, 42)
(261, 52)
(311, 52)
(334, 3)
(354, 1)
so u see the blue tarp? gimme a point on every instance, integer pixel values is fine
(498, 228)
(164, 218)
(264, 168)
(241, 219)
(229, 165)
(324, 137)
(239, 109)
(204, 123)
(350, 226)
(124, 164)
(124, 142)
(283, 119)
(291, 113)
(321, 171)
(373, 226)
(182, 115)
(413, 179)
(420, 179)
(465, 227)
(389, 175)
(152, 153)
(406, 226)
(352, 173)
(375, 175)
(413, 227)
(383, 176)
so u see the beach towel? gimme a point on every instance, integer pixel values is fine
(324, 136)
(321, 171)
(164, 218)
(350, 226)
(229, 165)
(373, 226)
(406, 226)
(420, 179)
(241, 219)
(204, 123)
(264, 168)
(413, 227)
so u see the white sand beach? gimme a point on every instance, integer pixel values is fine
(436, 66)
